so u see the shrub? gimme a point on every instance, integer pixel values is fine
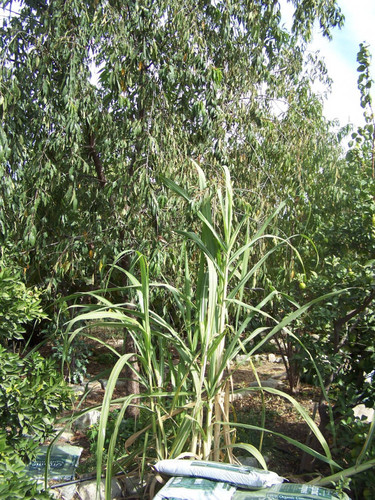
(32, 394)
(18, 306)
(75, 359)
(14, 482)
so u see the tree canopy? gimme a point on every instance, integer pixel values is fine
(99, 98)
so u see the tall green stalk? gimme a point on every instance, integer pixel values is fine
(185, 372)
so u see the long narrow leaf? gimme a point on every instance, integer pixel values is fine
(301, 410)
(290, 440)
(105, 412)
(351, 471)
(111, 448)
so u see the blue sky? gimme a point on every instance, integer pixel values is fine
(340, 57)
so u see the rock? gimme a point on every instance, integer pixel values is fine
(103, 382)
(280, 376)
(251, 461)
(78, 390)
(87, 490)
(248, 461)
(67, 436)
(361, 411)
(272, 358)
(239, 394)
(242, 359)
(65, 492)
(271, 382)
(134, 486)
(94, 386)
(120, 384)
(86, 420)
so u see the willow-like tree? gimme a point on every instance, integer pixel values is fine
(99, 97)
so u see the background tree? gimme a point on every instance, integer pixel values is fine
(98, 98)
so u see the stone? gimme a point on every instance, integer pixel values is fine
(67, 436)
(133, 486)
(86, 420)
(271, 382)
(94, 386)
(239, 394)
(251, 461)
(87, 490)
(120, 384)
(242, 358)
(103, 382)
(248, 461)
(361, 411)
(78, 390)
(272, 358)
(65, 492)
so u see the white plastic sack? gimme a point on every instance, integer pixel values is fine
(238, 475)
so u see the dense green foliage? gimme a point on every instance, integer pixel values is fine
(101, 102)
(14, 483)
(32, 390)
(28, 384)
(98, 99)
(18, 306)
(32, 395)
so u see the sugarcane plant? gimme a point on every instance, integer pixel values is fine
(185, 372)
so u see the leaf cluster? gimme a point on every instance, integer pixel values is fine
(19, 305)
(32, 394)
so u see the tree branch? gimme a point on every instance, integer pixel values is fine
(94, 155)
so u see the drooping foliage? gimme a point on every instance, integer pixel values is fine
(99, 98)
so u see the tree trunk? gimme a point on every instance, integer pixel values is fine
(131, 377)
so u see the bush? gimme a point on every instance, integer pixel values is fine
(76, 358)
(127, 428)
(352, 436)
(18, 305)
(14, 482)
(32, 394)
